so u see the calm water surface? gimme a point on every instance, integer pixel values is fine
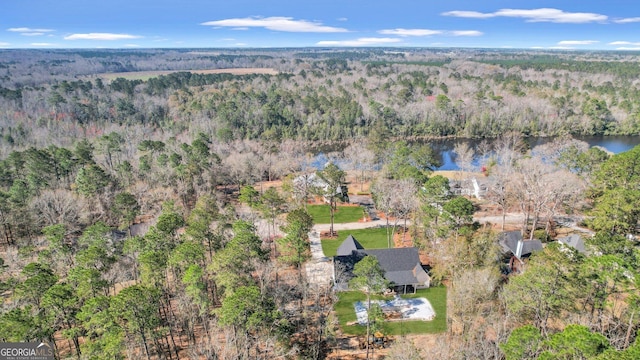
(444, 148)
(614, 144)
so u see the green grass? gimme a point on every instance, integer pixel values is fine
(344, 214)
(437, 296)
(373, 238)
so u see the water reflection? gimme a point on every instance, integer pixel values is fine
(444, 148)
(447, 157)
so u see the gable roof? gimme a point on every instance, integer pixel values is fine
(401, 265)
(511, 241)
(575, 241)
(349, 245)
(396, 259)
(508, 240)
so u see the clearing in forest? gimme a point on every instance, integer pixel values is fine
(436, 296)
(343, 214)
(397, 309)
(372, 238)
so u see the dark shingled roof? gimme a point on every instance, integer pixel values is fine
(575, 241)
(509, 242)
(401, 265)
(349, 245)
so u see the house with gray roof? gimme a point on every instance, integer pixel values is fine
(469, 187)
(516, 248)
(307, 183)
(349, 245)
(512, 242)
(574, 241)
(402, 266)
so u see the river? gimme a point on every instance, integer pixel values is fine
(447, 157)
(613, 144)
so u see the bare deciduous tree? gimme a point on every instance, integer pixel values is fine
(397, 199)
(464, 157)
(508, 149)
(405, 201)
(360, 159)
(499, 190)
(241, 167)
(59, 207)
(532, 190)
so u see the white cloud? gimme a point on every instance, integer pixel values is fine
(131, 45)
(552, 48)
(627, 20)
(42, 44)
(276, 23)
(243, 28)
(534, 15)
(4, 44)
(342, 19)
(469, 14)
(101, 36)
(466, 33)
(359, 42)
(577, 42)
(428, 32)
(629, 48)
(410, 32)
(25, 31)
(240, 44)
(29, 30)
(624, 43)
(552, 15)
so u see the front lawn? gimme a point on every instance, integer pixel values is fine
(343, 214)
(437, 296)
(372, 238)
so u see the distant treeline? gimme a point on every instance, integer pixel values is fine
(318, 95)
(625, 69)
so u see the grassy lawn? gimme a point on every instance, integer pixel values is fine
(373, 238)
(344, 214)
(437, 296)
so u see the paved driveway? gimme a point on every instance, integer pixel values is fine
(319, 268)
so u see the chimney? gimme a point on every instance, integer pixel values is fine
(518, 253)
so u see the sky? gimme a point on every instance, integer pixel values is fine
(521, 24)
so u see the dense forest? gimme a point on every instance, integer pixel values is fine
(315, 95)
(151, 207)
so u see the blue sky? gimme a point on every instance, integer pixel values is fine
(559, 24)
